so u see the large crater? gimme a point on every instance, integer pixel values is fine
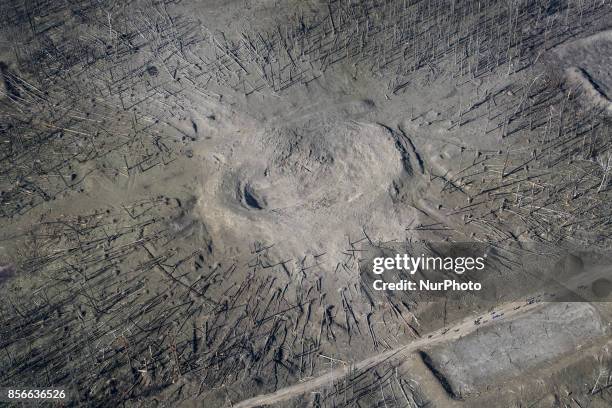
(307, 190)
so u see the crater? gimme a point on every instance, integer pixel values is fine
(602, 288)
(308, 188)
(252, 199)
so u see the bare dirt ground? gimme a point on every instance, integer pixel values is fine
(188, 190)
(454, 332)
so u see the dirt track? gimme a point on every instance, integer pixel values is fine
(462, 328)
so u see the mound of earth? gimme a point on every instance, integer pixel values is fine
(308, 190)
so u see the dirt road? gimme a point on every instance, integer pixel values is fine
(462, 328)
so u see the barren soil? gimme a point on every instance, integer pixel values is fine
(190, 192)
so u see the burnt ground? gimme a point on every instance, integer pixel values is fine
(186, 189)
